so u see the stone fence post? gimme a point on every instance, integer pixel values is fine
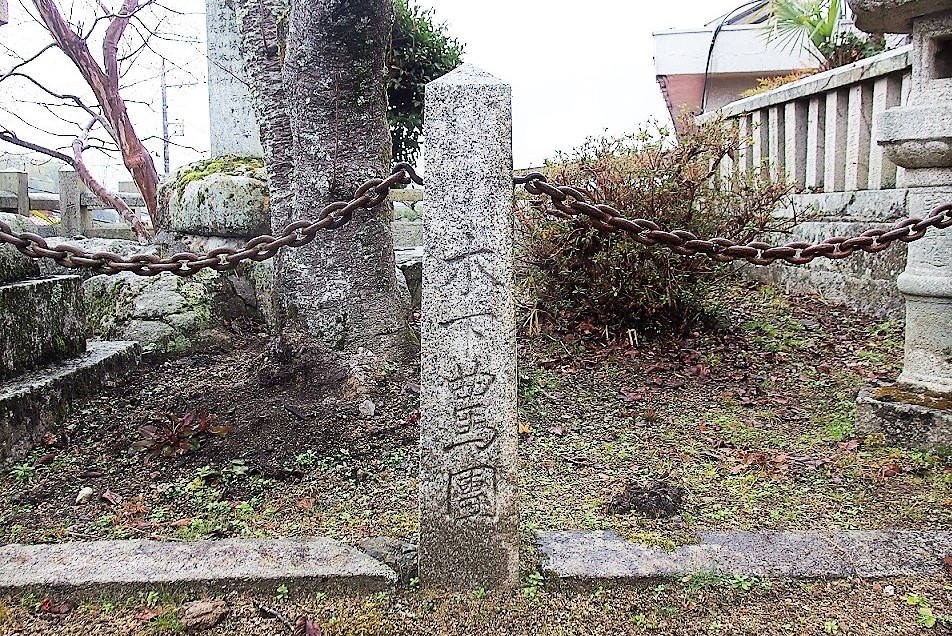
(17, 182)
(469, 520)
(74, 220)
(916, 136)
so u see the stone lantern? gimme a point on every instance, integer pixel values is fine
(918, 136)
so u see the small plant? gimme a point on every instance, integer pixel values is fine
(23, 473)
(534, 583)
(831, 627)
(282, 593)
(152, 599)
(306, 459)
(173, 435)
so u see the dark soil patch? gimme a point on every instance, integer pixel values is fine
(288, 425)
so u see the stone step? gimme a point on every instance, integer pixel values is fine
(32, 402)
(261, 565)
(605, 557)
(40, 321)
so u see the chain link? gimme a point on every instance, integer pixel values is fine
(571, 203)
(369, 195)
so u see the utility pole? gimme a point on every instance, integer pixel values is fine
(165, 121)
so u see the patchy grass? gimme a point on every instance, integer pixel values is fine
(753, 423)
(702, 604)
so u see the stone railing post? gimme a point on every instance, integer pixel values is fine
(469, 521)
(916, 137)
(17, 182)
(73, 219)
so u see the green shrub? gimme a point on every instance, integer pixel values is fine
(607, 284)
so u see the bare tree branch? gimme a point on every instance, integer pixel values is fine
(101, 191)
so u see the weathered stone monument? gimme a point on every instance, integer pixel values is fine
(231, 118)
(469, 521)
(918, 137)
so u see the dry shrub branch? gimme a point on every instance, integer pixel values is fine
(578, 278)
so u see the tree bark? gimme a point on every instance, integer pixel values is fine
(342, 288)
(262, 35)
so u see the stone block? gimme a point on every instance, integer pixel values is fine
(14, 265)
(164, 313)
(906, 417)
(33, 402)
(305, 565)
(40, 321)
(222, 205)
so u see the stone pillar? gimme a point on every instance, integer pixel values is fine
(4, 12)
(469, 521)
(17, 182)
(231, 118)
(918, 137)
(72, 220)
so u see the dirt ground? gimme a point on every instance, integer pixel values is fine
(697, 606)
(751, 426)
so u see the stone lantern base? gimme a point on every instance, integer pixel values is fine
(906, 417)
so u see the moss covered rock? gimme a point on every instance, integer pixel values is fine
(225, 196)
(14, 265)
(164, 314)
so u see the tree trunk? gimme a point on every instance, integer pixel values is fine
(342, 288)
(262, 26)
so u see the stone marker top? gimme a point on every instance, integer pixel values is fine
(467, 75)
(894, 16)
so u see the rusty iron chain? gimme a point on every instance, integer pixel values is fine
(571, 203)
(369, 195)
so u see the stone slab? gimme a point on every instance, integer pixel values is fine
(605, 557)
(904, 424)
(308, 564)
(40, 321)
(39, 399)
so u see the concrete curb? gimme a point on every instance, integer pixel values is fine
(576, 556)
(309, 564)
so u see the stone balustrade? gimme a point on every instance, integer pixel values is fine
(819, 131)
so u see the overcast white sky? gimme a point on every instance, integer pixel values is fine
(577, 68)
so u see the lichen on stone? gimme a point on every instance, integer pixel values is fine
(897, 393)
